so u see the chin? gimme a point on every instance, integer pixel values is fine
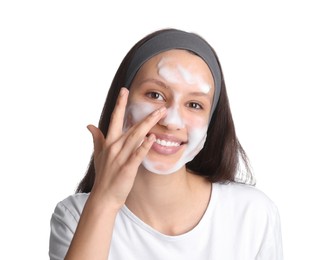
(160, 168)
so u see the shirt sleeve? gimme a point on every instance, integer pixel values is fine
(63, 226)
(271, 248)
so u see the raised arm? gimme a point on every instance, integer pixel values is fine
(117, 158)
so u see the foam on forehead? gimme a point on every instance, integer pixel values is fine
(176, 39)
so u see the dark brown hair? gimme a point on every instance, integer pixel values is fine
(222, 153)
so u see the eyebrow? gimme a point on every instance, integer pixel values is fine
(156, 81)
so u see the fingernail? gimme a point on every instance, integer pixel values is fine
(122, 92)
(151, 138)
(156, 112)
(159, 111)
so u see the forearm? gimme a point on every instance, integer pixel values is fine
(93, 235)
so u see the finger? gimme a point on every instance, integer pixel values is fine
(98, 138)
(136, 135)
(116, 121)
(142, 150)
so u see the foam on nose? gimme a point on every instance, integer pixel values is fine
(173, 117)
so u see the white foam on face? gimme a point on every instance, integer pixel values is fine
(136, 113)
(173, 116)
(195, 127)
(194, 79)
(179, 73)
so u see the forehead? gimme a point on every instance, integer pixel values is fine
(175, 60)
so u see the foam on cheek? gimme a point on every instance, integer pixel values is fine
(196, 142)
(135, 113)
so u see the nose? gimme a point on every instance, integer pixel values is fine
(173, 119)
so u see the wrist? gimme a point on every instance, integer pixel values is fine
(103, 203)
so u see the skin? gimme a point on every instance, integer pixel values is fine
(170, 203)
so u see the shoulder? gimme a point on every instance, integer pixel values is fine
(251, 216)
(72, 206)
(239, 191)
(64, 221)
(245, 197)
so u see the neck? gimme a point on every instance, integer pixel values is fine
(158, 191)
(171, 203)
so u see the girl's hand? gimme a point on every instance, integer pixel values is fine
(118, 156)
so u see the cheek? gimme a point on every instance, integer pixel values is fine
(197, 129)
(136, 112)
(195, 122)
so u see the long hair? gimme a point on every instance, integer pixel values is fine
(222, 153)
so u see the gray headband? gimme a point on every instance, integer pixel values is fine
(175, 39)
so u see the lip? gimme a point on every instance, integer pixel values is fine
(167, 150)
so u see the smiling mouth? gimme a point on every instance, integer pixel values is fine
(166, 146)
(167, 143)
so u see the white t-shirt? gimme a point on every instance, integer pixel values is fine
(240, 223)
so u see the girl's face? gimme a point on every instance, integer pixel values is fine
(183, 83)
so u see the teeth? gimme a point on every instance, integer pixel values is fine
(166, 143)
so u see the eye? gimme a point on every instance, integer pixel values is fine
(155, 95)
(195, 105)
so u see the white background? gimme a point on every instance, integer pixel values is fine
(57, 61)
